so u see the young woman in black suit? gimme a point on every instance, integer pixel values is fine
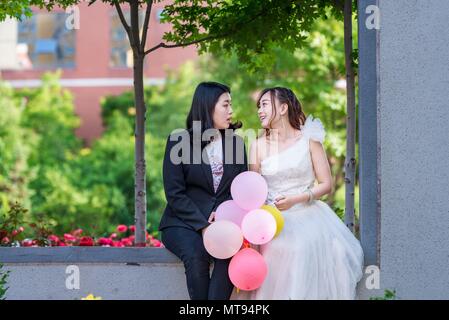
(199, 166)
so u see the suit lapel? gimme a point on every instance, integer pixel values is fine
(207, 170)
(228, 166)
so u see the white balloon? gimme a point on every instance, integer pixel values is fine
(259, 226)
(223, 239)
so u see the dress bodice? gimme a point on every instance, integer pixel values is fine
(290, 171)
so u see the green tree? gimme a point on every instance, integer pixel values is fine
(16, 9)
(15, 144)
(49, 118)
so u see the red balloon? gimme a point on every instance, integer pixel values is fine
(247, 269)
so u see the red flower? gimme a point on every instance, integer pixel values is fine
(122, 228)
(62, 244)
(132, 238)
(117, 244)
(105, 242)
(155, 243)
(113, 236)
(5, 240)
(126, 242)
(86, 242)
(132, 229)
(21, 229)
(68, 237)
(27, 243)
(53, 239)
(15, 233)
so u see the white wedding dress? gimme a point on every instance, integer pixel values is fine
(315, 256)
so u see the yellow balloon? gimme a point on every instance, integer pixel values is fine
(277, 215)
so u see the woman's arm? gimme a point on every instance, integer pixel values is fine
(322, 170)
(175, 192)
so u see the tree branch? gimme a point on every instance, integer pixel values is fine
(124, 23)
(145, 24)
(164, 45)
(235, 29)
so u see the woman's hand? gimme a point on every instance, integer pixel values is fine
(210, 220)
(284, 203)
(211, 217)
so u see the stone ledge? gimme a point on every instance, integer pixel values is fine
(86, 255)
(40, 273)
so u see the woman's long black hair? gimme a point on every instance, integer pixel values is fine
(204, 100)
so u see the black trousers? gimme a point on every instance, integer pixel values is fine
(188, 246)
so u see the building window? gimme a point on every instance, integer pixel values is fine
(121, 54)
(45, 42)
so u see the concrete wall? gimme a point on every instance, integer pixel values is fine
(413, 94)
(111, 281)
(111, 273)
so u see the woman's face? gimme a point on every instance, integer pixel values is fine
(222, 115)
(266, 114)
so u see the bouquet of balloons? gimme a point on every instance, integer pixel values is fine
(242, 221)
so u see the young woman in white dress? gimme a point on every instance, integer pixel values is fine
(315, 256)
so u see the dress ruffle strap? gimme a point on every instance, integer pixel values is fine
(314, 129)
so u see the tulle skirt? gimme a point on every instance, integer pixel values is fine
(314, 257)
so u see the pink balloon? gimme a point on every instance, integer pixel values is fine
(247, 269)
(229, 210)
(223, 239)
(249, 190)
(259, 226)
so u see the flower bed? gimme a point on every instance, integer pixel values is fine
(123, 237)
(39, 234)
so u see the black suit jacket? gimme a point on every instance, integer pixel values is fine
(189, 187)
